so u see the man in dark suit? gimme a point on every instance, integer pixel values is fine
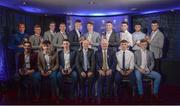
(85, 62)
(75, 36)
(67, 66)
(111, 36)
(105, 65)
(28, 69)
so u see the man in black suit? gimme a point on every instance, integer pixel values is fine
(85, 62)
(75, 36)
(67, 66)
(111, 36)
(105, 65)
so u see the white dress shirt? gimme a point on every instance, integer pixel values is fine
(78, 33)
(108, 34)
(47, 60)
(27, 61)
(67, 60)
(126, 36)
(144, 60)
(129, 60)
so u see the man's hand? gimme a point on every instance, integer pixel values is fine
(109, 72)
(89, 74)
(127, 72)
(142, 71)
(101, 73)
(69, 71)
(63, 72)
(44, 74)
(83, 74)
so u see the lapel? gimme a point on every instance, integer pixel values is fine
(140, 57)
(42, 59)
(155, 35)
(62, 58)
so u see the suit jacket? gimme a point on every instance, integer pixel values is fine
(58, 40)
(48, 36)
(33, 60)
(35, 42)
(114, 41)
(111, 59)
(80, 60)
(62, 62)
(74, 39)
(95, 39)
(138, 59)
(54, 63)
(156, 45)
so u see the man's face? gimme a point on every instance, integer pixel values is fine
(109, 27)
(46, 47)
(78, 25)
(37, 30)
(21, 28)
(52, 26)
(65, 45)
(62, 27)
(124, 27)
(90, 27)
(144, 45)
(137, 28)
(104, 44)
(27, 47)
(85, 44)
(154, 26)
(124, 46)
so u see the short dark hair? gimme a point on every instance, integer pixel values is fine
(143, 41)
(124, 22)
(37, 26)
(108, 22)
(65, 40)
(78, 21)
(26, 42)
(62, 23)
(21, 23)
(155, 22)
(90, 22)
(124, 41)
(46, 42)
(52, 22)
(138, 23)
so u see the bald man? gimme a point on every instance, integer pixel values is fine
(85, 62)
(105, 65)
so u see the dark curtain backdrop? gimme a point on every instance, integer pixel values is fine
(8, 25)
(170, 26)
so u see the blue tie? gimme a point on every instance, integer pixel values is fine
(85, 61)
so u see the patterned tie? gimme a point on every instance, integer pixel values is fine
(104, 60)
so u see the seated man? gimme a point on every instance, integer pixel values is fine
(27, 69)
(85, 62)
(144, 64)
(106, 61)
(67, 66)
(48, 65)
(125, 65)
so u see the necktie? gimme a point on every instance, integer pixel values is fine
(104, 60)
(123, 61)
(85, 61)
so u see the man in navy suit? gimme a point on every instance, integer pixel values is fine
(75, 36)
(67, 66)
(105, 65)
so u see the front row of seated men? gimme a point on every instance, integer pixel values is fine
(84, 66)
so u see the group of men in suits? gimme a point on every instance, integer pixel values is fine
(109, 58)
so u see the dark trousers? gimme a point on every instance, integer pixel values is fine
(105, 90)
(86, 82)
(158, 65)
(119, 77)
